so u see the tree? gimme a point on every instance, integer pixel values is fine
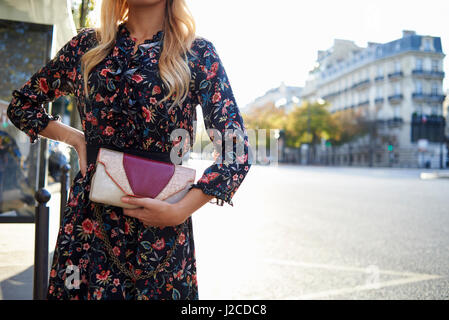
(266, 116)
(349, 126)
(309, 123)
(81, 10)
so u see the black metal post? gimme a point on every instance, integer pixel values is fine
(40, 280)
(64, 189)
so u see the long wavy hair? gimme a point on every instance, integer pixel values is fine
(179, 34)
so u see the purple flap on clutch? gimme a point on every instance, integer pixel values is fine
(147, 177)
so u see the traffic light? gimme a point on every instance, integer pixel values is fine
(390, 147)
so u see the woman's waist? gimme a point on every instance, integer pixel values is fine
(93, 149)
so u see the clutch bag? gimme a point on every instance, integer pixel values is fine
(118, 174)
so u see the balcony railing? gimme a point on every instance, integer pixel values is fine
(379, 78)
(396, 98)
(436, 98)
(428, 73)
(418, 96)
(395, 75)
(331, 95)
(379, 100)
(363, 103)
(395, 121)
(432, 98)
(361, 84)
(437, 74)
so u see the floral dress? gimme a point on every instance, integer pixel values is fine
(120, 110)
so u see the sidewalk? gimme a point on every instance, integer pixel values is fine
(17, 252)
(17, 247)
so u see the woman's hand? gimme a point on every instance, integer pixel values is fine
(80, 147)
(163, 214)
(57, 130)
(154, 212)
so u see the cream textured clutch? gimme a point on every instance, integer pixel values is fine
(118, 174)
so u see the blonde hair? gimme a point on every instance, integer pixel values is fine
(179, 34)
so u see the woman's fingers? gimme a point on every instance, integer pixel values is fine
(135, 213)
(140, 214)
(142, 202)
(151, 212)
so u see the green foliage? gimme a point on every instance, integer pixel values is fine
(267, 116)
(309, 123)
(350, 125)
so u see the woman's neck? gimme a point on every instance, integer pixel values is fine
(145, 20)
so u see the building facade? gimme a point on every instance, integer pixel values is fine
(446, 114)
(395, 85)
(283, 97)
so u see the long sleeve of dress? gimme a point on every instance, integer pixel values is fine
(220, 113)
(55, 79)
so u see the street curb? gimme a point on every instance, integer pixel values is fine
(434, 175)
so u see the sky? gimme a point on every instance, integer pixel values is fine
(262, 43)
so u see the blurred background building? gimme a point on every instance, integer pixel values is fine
(284, 97)
(446, 112)
(396, 87)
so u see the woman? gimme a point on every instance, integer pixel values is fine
(146, 72)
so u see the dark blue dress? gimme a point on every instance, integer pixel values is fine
(121, 111)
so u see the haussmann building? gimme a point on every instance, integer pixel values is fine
(398, 86)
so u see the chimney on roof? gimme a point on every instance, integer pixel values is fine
(406, 33)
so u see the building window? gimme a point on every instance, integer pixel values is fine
(419, 109)
(397, 111)
(435, 88)
(435, 65)
(397, 88)
(379, 92)
(397, 66)
(427, 45)
(380, 71)
(379, 51)
(419, 64)
(418, 85)
(435, 110)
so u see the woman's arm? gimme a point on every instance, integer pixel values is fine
(222, 179)
(57, 78)
(56, 130)
(222, 117)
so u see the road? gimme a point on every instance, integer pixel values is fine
(327, 233)
(304, 233)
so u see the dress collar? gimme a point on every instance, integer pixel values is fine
(124, 33)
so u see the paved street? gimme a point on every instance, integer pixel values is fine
(303, 233)
(327, 233)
